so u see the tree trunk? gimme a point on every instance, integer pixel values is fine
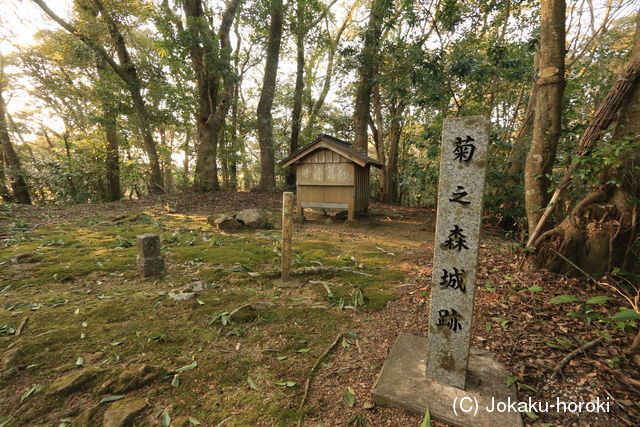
(109, 124)
(296, 114)
(235, 143)
(185, 162)
(326, 84)
(367, 68)
(214, 79)
(390, 194)
(112, 157)
(12, 162)
(601, 232)
(234, 135)
(134, 84)
(548, 109)
(378, 135)
(511, 208)
(517, 155)
(224, 158)
(4, 190)
(265, 119)
(167, 170)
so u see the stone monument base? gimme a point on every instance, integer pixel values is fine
(403, 384)
(151, 266)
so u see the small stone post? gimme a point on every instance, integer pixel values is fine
(150, 262)
(287, 232)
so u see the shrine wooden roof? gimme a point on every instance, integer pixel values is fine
(336, 145)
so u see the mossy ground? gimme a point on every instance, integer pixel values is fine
(83, 298)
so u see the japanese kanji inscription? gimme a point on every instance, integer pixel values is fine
(460, 189)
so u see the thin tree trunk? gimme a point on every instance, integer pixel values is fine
(326, 84)
(167, 176)
(235, 143)
(378, 135)
(234, 135)
(109, 124)
(296, 114)
(185, 161)
(391, 169)
(367, 70)
(112, 157)
(134, 84)
(265, 119)
(234, 138)
(515, 162)
(548, 111)
(224, 158)
(12, 162)
(4, 190)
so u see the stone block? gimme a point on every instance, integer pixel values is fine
(403, 384)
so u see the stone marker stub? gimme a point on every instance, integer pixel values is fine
(150, 262)
(463, 162)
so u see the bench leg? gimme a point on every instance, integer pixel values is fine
(300, 212)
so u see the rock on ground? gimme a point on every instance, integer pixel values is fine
(224, 223)
(132, 378)
(10, 356)
(181, 294)
(85, 418)
(22, 258)
(75, 381)
(188, 292)
(123, 412)
(181, 422)
(254, 218)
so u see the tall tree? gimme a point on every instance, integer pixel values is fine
(125, 69)
(367, 71)
(548, 109)
(11, 160)
(296, 114)
(602, 231)
(264, 116)
(333, 41)
(211, 60)
(302, 26)
(109, 124)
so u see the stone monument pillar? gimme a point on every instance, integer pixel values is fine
(440, 373)
(463, 162)
(150, 262)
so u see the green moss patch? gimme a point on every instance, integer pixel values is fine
(87, 307)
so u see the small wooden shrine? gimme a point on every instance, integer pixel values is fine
(331, 175)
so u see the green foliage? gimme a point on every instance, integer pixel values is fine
(589, 312)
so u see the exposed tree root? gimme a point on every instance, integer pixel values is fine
(573, 354)
(313, 370)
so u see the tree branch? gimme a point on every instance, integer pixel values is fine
(74, 31)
